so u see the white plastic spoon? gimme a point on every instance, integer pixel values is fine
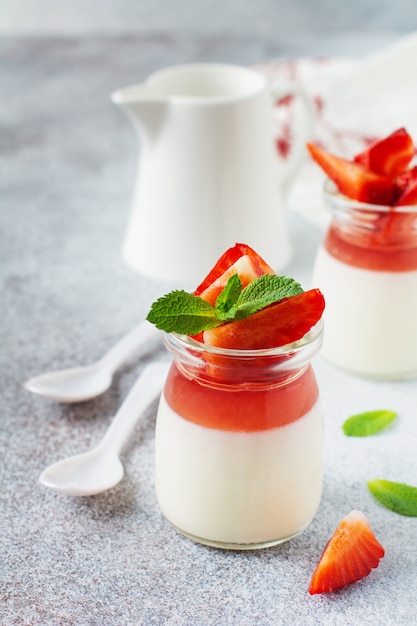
(100, 469)
(77, 384)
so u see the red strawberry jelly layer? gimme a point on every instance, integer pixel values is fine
(241, 409)
(392, 249)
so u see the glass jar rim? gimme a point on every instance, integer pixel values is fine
(336, 199)
(309, 338)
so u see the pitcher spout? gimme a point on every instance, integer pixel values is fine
(145, 110)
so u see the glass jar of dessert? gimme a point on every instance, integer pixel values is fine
(366, 268)
(239, 442)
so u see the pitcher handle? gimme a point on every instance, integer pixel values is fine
(289, 166)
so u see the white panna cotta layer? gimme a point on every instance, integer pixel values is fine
(238, 487)
(370, 320)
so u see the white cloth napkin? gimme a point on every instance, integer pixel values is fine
(355, 101)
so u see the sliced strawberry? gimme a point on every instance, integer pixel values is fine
(350, 555)
(241, 260)
(389, 156)
(354, 179)
(408, 197)
(277, 325)
(406, 177)
(407, 184)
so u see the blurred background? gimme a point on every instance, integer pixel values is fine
(227, 28)
(69, 156)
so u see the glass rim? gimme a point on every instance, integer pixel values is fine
(309, 338)
(331, 192)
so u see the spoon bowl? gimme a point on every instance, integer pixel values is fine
(100, 469)
(83, 474)
(77, 384)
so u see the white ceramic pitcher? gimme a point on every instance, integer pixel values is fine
(209, 175)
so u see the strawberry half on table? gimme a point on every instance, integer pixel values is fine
(352, 553)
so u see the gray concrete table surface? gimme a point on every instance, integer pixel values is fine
(68, 162)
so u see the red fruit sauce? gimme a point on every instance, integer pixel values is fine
(236, 408)
(374, 238)
(373, 257)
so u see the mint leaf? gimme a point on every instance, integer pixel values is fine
(187, 314)
(263, 291)
(368, 423)
(397, 497)
(183, 313)
(228, 297)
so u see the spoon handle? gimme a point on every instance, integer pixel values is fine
(147, 387)
(142, 334)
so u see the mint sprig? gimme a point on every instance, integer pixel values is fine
(228, 298)
(187, 314)
(398, 497)
(183, 313)
(368, 423)
(261, 292)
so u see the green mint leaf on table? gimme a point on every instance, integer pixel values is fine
(261, 292)
(397, 497)
(183, 313)
(368, 423)
(228, 297)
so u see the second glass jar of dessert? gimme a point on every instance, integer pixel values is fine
(239, 442)
(366, 269)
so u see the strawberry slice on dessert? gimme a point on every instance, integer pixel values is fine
(240, 259)
(277, 325)
(354, 179)
(242, 304)
(352, 553)
(407, 184)
(389, 156)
